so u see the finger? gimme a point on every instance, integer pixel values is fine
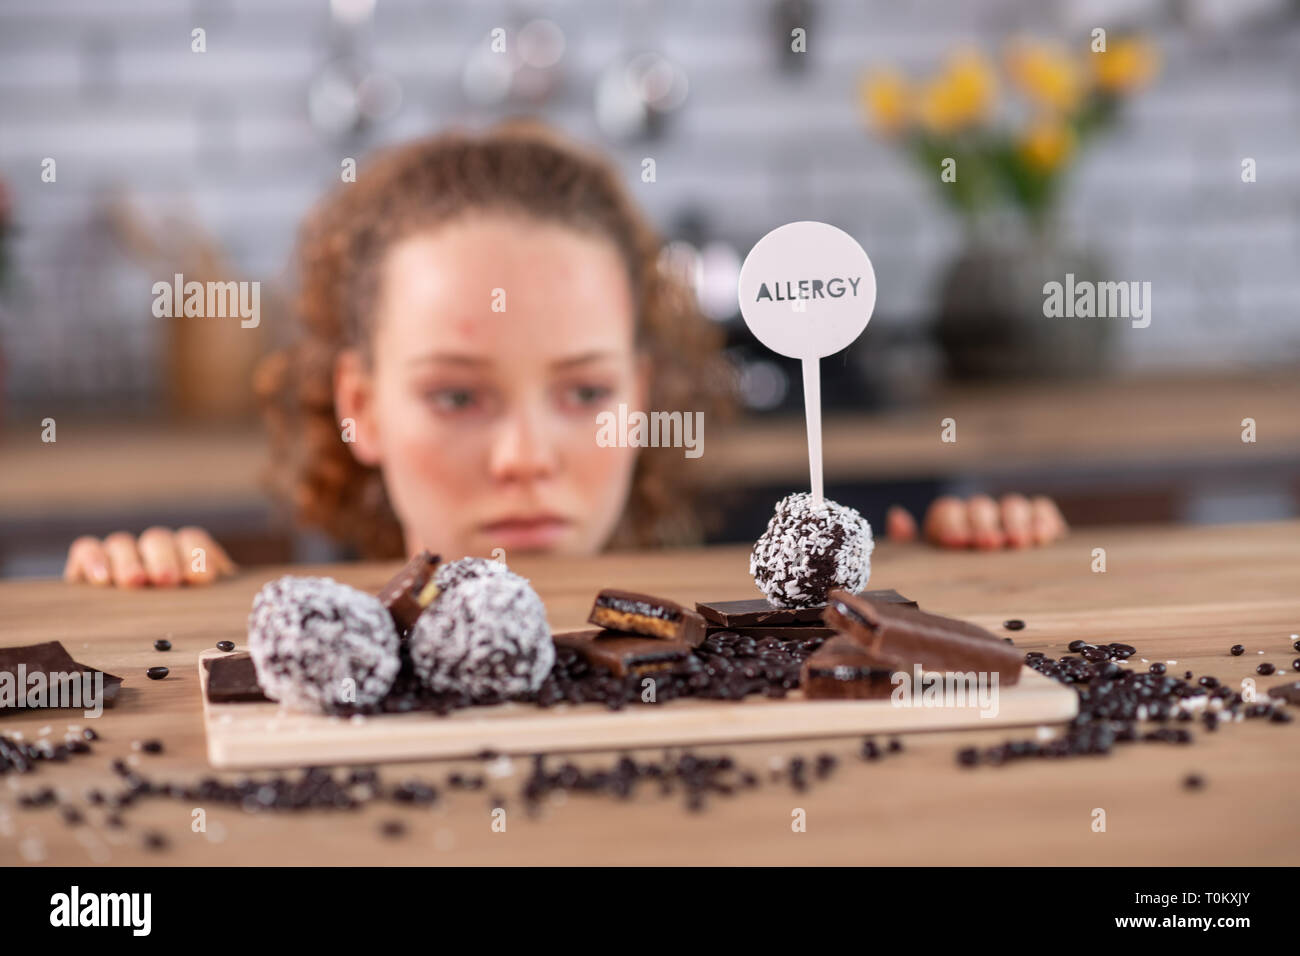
(1042, 521)
(199, 562)
(947, 524)
(899, 524)
(87, 561)
(1017, 517)
(124, 561)
(158, 553)
(199, 549)
(985, 522)
(1050, 517)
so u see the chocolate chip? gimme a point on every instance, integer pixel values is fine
(1074, 646)
(1015, 624)
(1266, 668)
(225, 645)
(1193, 781)
(156, 673)
(153, 840)
(393, 828)
(1295, 664)
(162, 644)
(89, 734)
(1159, 668)
(895, 745)
(152, 746)
(1236, 650)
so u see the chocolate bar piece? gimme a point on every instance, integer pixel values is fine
(647, 615)
(756, 612)
(622, 654)
(915, 637)
(845, 670)
(233, 680)
(411, 590)
(793, 632)
(64, 682)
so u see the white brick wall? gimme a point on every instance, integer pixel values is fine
(225, 134)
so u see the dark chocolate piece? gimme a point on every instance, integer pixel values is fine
(622, 654)
(407, 593)
(936, 643)
(844, 669)
(647, 615)
(233, 680)
(793, 632)
(756, 612)
(20, 663)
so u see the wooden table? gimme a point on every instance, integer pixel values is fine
(1180, 595)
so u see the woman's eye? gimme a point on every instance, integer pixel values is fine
(452, 399)
(589, 394)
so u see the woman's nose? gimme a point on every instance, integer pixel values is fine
(523, 449)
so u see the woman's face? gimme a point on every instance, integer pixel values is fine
(496, 341)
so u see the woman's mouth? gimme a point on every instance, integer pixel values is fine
(525, 532)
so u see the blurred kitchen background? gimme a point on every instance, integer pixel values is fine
(1123, 165)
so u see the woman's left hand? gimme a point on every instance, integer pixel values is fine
(981, 522)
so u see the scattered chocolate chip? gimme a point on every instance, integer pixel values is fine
(393, 828)
(1193, 781)
(1074, 646)
(153, 840)
(89, 734)
(152, 746)
(1159, 668)
(225, 646)
(1295, 664)
(895, 745)
(1236, 650)
(114, 821)
(1015, 624)
(162, 644)
(1265, 668)
(157, 673)
(1208, 681)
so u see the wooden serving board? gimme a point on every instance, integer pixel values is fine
(248, 735)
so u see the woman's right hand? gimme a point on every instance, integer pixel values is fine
(161, 556)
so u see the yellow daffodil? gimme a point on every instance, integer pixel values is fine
(1046, 144)
(885, 98)
(1126, 64)
(960, 96)
(1045, 73)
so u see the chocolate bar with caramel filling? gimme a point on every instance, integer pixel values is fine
(410, 590)
(646, 615)
(622, 654)
(792, 632)
(757, 612)
(845, 670)
(915, 637)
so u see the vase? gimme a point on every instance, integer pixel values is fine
(991, 322)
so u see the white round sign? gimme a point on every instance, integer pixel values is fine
(807, 290)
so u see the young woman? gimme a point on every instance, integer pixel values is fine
(468, 306)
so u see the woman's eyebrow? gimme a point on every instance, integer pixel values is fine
(448, 358)
(582, 359)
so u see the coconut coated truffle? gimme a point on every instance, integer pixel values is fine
(318, 644)
(806, 552)
(486, 635)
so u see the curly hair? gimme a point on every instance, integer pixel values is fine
(518, 166)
